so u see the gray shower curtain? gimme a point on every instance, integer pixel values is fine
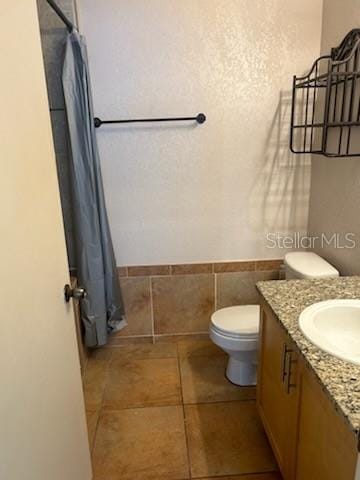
(102, 309)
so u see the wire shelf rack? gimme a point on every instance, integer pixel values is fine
(325, 114)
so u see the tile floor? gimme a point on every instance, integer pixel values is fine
(166, 412)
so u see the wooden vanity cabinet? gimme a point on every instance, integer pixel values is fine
(310, 439)
(326, 447)
(278, 390)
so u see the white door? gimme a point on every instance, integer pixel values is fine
(42, 421)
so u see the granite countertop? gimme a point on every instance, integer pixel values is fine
(340, 379)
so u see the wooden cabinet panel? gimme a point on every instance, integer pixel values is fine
(327, 449)
(310, 439)
(277, 391)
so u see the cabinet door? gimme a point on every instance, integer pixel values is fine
(327, 449)
(277, 390)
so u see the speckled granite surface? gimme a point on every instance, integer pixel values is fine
(340, 379)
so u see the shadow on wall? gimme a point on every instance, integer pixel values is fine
(280, 195)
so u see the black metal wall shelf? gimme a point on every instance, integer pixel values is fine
(325, 112)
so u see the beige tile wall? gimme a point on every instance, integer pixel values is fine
(168, 302)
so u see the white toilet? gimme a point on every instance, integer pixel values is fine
(236, 329)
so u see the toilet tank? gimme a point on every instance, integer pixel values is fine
(308, 265)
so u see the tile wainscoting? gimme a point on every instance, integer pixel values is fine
(169, 302)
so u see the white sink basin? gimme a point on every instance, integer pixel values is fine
(334, 326)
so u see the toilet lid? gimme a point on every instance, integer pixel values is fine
(309, 265)
(242, 320)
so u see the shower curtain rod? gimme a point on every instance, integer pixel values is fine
(61, 14)
(200, 117)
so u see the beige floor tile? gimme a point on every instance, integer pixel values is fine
(94, 378)
(227, 439)
(91, 420)
(203, 380)
(102, 353)
(141, 444)
(140, 352)
(198, 348)
(139, 383)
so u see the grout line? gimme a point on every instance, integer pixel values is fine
(141, 407)
(182, 334)
(155, 336)
(152, 312)
(145, 356)
(83, 370)
(131, 336)
(92, 446)
(184, 415)
(120, 346)
(236, 476)
(165, 405)
(216, 402)
(215, 292)
(179, 369)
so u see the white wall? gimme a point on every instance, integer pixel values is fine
(180, 193)
(335, 186)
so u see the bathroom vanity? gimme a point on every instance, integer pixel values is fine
(308, 400)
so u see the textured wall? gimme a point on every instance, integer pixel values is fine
(180, 193)
(335, 185)
(53, 36)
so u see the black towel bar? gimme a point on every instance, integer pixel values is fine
(200, 118)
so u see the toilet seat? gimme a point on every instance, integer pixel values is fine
(241, 321)
(236, 331)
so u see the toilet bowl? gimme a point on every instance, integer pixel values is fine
(236, 331)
